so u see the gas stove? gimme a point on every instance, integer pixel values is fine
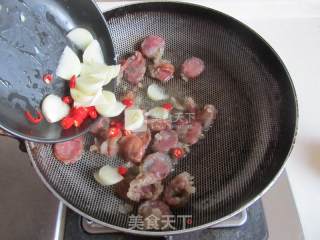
(249, 224)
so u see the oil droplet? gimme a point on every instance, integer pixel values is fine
(35, 85)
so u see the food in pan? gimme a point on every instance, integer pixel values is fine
(133, 68)
(149, 140)
(156, 208)
(86, 81)
(179, 190)
(192, 68)
(162, 71)
(69, 152)
(152, 47)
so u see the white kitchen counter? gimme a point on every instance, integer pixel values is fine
(293, 29)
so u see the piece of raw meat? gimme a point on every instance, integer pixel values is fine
(178, 191)
(144, 187)
(165, 140)
(162, 71)
(189, 133)
(134, 68)
(207, 115)
(69, 152)
(157, 210)
(158, 164)
(192, 68)
(132, 148)
(152, 47)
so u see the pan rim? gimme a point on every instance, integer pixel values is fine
(243, 206)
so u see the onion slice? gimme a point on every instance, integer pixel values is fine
(101, 72)
(80, 37)
(93, 53)
(54, 109)
(69, 64)
(108, 175)
(156, 93)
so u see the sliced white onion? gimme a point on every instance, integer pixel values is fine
(133, 119)
(89, 85)
(110, 110)
(84, 100)
(80, 37)
(158, 112)
(156, 92)
(54, 109)
(69, 64)
(108, 175)
(100, 71)
(108, 97)
(93, 53)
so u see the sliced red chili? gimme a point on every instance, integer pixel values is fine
(78, 120)
(67, 100)
(122, 170)
(167, 106)
(79, 114)
(128, 102)
(47, 78)
(33, 119)
(113, 131)
(81, 111)
(72, 82)
(67, 122)
(177, 152)
(92, 112)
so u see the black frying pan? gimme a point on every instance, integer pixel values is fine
(32, 38)
(244, 151)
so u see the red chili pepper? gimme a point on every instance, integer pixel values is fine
(79, 115)
(82, 111)
(167, 106)
(113, 131)
(47, 78)
(73, 80)
(128, 102)
(92, 112)
(67, 122)
(33, 119)
(177, 152)
(77, 121)
(67, 100)
(122, 170)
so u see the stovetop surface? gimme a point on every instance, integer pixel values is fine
(254, 228)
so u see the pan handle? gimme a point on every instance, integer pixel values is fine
(22, 145)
